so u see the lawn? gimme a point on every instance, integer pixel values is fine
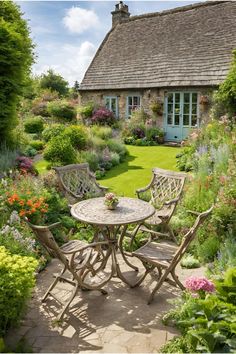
(135, 172)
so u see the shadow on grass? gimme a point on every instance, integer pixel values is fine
(122, 168)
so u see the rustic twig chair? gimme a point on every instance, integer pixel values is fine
(82, 261)
(165, 256)
(163, 192)
(77, 182)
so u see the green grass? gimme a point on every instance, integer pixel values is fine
(41, 166)
(135, 172)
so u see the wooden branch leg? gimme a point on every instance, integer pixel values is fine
(122, 250)
(157, 287)
(148, 269)
(176, 279)
(172, 235)
(54, 283)
(65, 307)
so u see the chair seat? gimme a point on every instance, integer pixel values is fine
(72, 245)
(153, 251)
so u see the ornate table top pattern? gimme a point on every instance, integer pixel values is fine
(128, 211)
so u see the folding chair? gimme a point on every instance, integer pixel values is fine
(165, 256)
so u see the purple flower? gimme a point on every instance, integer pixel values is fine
(195, 284)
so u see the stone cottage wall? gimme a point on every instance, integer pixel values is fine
(148, 96)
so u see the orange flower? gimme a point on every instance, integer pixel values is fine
(22, 213)
(22, 202)
(33, 210)
(43, 210)
(29, 202)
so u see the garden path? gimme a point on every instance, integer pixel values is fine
(120, 322)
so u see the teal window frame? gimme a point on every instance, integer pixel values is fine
(133, 105)
(109, 105)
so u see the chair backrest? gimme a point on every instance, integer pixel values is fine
(165, 186)
(190, 235)
(78, 181)
(46, 239)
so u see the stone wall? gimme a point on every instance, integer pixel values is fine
(148, 96)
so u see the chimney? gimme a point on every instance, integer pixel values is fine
(121, 14)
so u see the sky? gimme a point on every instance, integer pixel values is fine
(68, 33)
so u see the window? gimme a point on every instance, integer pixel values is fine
(182, 109)
(111, 103)
(133, 102)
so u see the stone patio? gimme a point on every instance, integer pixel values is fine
(120, 322)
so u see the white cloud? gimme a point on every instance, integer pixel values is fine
(71, 61)
(78, 20)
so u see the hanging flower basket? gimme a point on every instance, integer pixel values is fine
(204, 100)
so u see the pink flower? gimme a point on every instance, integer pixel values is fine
(195, 284)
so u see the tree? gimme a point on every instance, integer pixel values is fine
(16, 58)
(226, 95)
(55, 82)
(76, 86)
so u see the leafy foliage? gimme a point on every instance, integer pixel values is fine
(16, 283)
(16, 57)
(62, 110)
(60, 151)
(54, 82)
(34, 125)
(103, 116)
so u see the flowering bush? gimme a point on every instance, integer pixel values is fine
(103, 116)
(199, 284)
(25, 165)
(110, 199)
(26, 204)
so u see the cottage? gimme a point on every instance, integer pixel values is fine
(168, 62)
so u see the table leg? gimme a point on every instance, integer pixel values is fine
(120, 240)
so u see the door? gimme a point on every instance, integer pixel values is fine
(181, 114)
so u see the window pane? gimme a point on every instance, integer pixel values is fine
(130, 101)
(170, 108)
(176, 119)
(186, 97)
(113, 105)
(194, 109)
(186, 120)
(169, 120)
(136, 101)
(177, 109)
(107, 103)
(194, 121)
(194, 98)
(186, 108)
(170, 97)
(177, 97)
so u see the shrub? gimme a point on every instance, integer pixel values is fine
(153, 133)
(92, 158)
(52, 130)
(86, 111)
(138, 132)
(103, 116)
(77, 135)
(117, 146)
(34, 125)
(208, 249)
(29, 151)
(96, 143)
(102, 132)
(25, 165)
(54, 82)
(16, 283)
(39, 107)
(37, 144)
(189, 262)
(62, 110)
(7, 158)
(115, 158)
(59, 150)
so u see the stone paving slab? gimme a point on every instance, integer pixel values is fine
(120, 322)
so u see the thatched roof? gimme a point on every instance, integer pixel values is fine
(186, 46)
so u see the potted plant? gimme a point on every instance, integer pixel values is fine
(111, 201)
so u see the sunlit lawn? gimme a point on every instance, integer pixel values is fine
(135, 172)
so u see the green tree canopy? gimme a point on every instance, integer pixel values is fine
(226, 95)
(16, 58)
(55, 82)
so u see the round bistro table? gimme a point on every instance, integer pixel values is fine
(113, 224)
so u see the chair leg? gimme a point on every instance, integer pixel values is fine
(176, 279)
(148, 269)
(65, 307)
(54, 283)
(157, 287)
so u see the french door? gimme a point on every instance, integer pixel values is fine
(181, 114)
